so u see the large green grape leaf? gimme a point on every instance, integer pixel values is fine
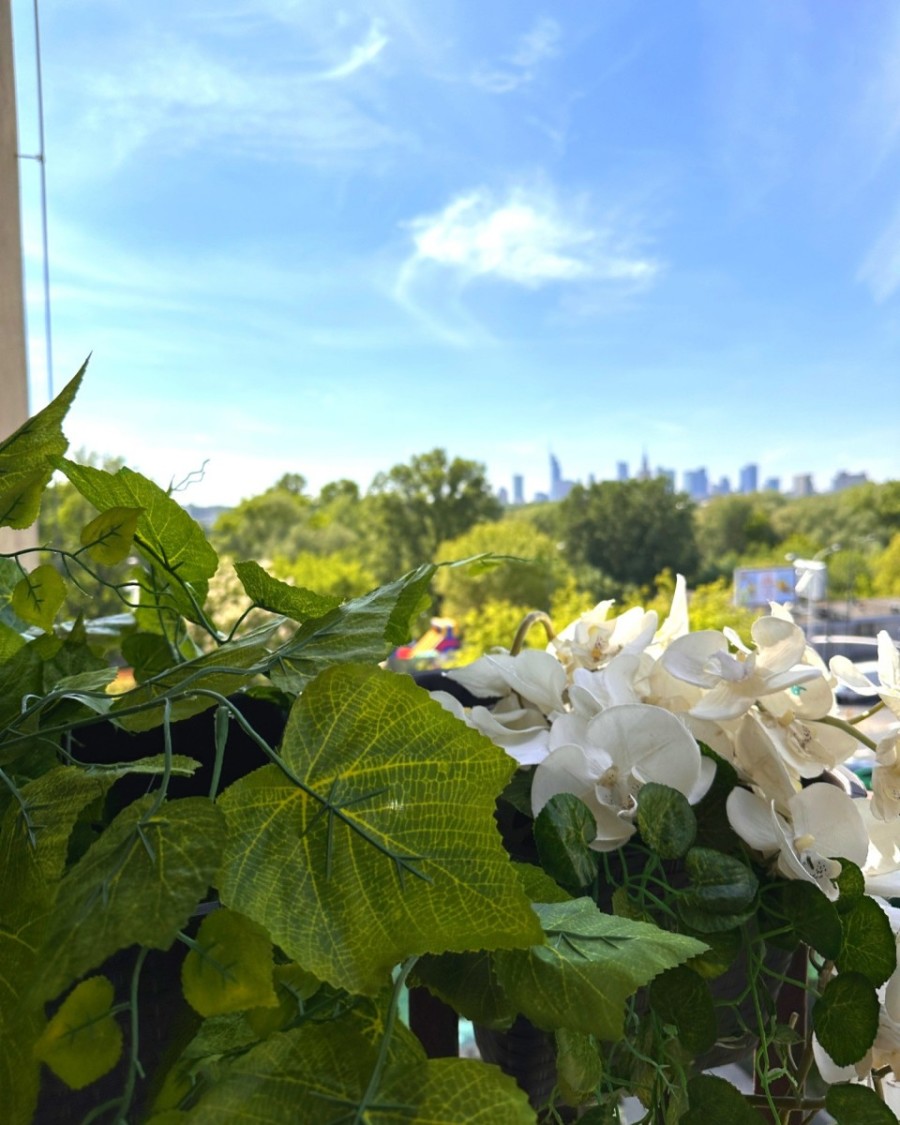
(318, 1074)
(589, 965)
(137, 884)
(32, 855)
(360, 631)
(25, 465)
(166, 536)
(398, 856)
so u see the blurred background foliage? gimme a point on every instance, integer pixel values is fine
(620, 540)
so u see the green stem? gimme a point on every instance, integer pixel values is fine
(380, 1062)
(842, 724)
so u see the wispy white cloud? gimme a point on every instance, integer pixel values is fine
(528, 239)
(880, 269)
(540, 43)
(362, 54)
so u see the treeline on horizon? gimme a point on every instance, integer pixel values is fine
(621, 540)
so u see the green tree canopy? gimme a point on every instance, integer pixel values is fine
(416, 506)
(529, 583)
(630, 530)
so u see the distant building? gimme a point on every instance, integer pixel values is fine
(668, 475)
(722, 488)
(559, 488)
(844, 480)
(772, 484)
(644, 471)
(802, 485)
(541, 498)
(621, 470)
(518, 489)
(749, 479)
(503, 496)
(696, 483)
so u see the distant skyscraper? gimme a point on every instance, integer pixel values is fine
(555, 478)
(644, 472)
(749, 478)
(772, 484)
(802, 485)
(696, 484)
(503, 496)
(844, 480)
(518, 489)
(621, 470)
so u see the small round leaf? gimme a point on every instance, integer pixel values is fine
(665, 820)
(230, 968)
(868, 945)
(845, 1018)
(857, 1105)
(563, 832)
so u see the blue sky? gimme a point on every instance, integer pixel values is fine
(319, 238)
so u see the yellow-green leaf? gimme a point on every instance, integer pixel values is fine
(399, 855)
(109, 537)
(38, 597)
(25, 466)
(230, 967)
(83, 1041)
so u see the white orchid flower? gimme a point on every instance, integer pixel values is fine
(592, 639)
(535, 676)
(821, 823)
(523, 732)
(888, 686)
(605, 762)
(807, 748)
(735, 681)
(886, 777)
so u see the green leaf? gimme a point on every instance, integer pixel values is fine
(538, 885)
(318, 1074)
(25, 465)
(166, 536)
(857, 1105)
(845, 1017)
(109, 538)
(720, 884)
(680, 998)
(851, 884)
(31, 862)
(714, 1101)
(868, 945)
(362, 630)
(665, 820)
(399, 855)
(563, 831)
(596, 957)
(225, 670)
(468, 983)
(815, 920)
(579, 1066)
(39, 595)
(149, 654)
(82, 1042)
(230, 968)
(137, 884)
(724, 948)
(279, 597)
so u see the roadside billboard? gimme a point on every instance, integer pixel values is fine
(758, 585)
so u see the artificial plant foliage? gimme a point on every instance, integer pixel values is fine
(813, 917)
(845, 1017)
(361, 630)
(271, 593)
(322, 1074)
(229, 967)
(83, 1039)
(380, 843)
(137, 884)
(857, 1105)
(38, 596)
(868, 944)
(26, 458)
(666, 820)
(713, 1099)
(108, 539)
(468, 982)
(681, 998)
(563, 831)
(579, 1065)
(580, 976)
(34, 835)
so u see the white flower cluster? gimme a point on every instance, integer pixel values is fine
(615, 702)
